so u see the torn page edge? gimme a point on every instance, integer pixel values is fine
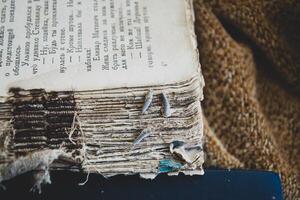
(190, 18)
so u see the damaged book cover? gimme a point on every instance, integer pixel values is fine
(108, 87)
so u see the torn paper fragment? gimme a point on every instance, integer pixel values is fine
(189, 153)
(30, 162)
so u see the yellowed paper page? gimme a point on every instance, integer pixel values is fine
(95, 44)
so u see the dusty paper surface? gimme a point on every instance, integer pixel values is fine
(98, 129)
(95, 49)
(95, 44)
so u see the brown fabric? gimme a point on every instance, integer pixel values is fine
(251, 64)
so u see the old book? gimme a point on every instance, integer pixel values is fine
(100, 86)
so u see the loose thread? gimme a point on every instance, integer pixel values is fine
(73, 128)
(86, 180)
(84, 152)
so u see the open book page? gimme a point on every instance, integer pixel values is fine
(95, 44)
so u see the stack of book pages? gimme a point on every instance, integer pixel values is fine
(100, 86)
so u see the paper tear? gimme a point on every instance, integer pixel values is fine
(186, 152)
